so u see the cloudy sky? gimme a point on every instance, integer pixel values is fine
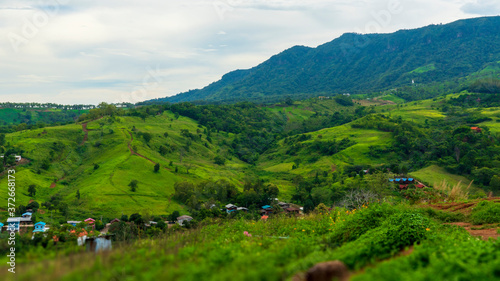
(88, 51)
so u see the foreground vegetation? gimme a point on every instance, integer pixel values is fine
(282, 246)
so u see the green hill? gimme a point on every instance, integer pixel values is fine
(62, 161)
(313, 149)
(358, 63)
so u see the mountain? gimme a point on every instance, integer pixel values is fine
(358, 63)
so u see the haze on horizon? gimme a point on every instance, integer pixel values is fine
(75, 52)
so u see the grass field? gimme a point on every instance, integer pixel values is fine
(105, 189)
(435, 175)
(419, 111)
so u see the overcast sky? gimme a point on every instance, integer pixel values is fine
(88, 51)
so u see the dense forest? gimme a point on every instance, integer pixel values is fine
(360, 64)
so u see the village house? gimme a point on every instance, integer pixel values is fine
(231, 208)
(476, 129)
(74, 223)
(39, 227)
(283, 205)
(292, 210)
(13, 224)
(266, 210)
(90, 222)
(182, 219)
(1, 227)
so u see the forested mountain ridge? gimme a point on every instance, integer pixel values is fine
(359, 63)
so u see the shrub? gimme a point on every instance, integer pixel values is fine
(360, 222)
(486, 212)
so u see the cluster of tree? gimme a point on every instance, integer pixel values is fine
(103, 109)
(36, 105)
(56, 202)
(489, 85)
(34, 206)
(416, 92)
(451, 144)
(476, 100)
(207, 198)
(322, 120)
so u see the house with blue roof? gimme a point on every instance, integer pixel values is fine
(1, 226)
(27, 215)
(39, 227)
(74, 223)
(266, 207)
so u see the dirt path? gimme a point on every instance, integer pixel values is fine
(462, 207)
(86, 137)
(483, 231)
(138, 154)
(489, 231)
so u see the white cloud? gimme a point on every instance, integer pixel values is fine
(92, 51)
(482, 7)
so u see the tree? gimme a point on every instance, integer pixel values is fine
(157, 167)
(96, 166)
(161, 225)
(33, 206)
(147, 137)
(174, 216)
(78, 194)
(133, 185)
(165, 134)
(495, 182)
(124, 218)
(321, 209)
(219, 160)
(309, 205)
(32, 190)
(137, 219)
(163, 150)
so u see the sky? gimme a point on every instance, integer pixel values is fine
(89, 51)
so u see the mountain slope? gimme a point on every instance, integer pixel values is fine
(358, 63)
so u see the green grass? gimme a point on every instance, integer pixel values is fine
(435, 175)
(105, 190)
(392, 98)
(368, 241)
(423, 69)
(419, 111)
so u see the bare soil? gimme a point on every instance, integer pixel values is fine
(486, 231)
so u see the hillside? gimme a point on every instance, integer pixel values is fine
(358, 63)
(63, 160)
(315, 150)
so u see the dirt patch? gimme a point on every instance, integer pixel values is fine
(86, 137)
(486, 233)
(483, 231)
(375, 102)
(53, 185)
(41, 211)
(462, 207)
